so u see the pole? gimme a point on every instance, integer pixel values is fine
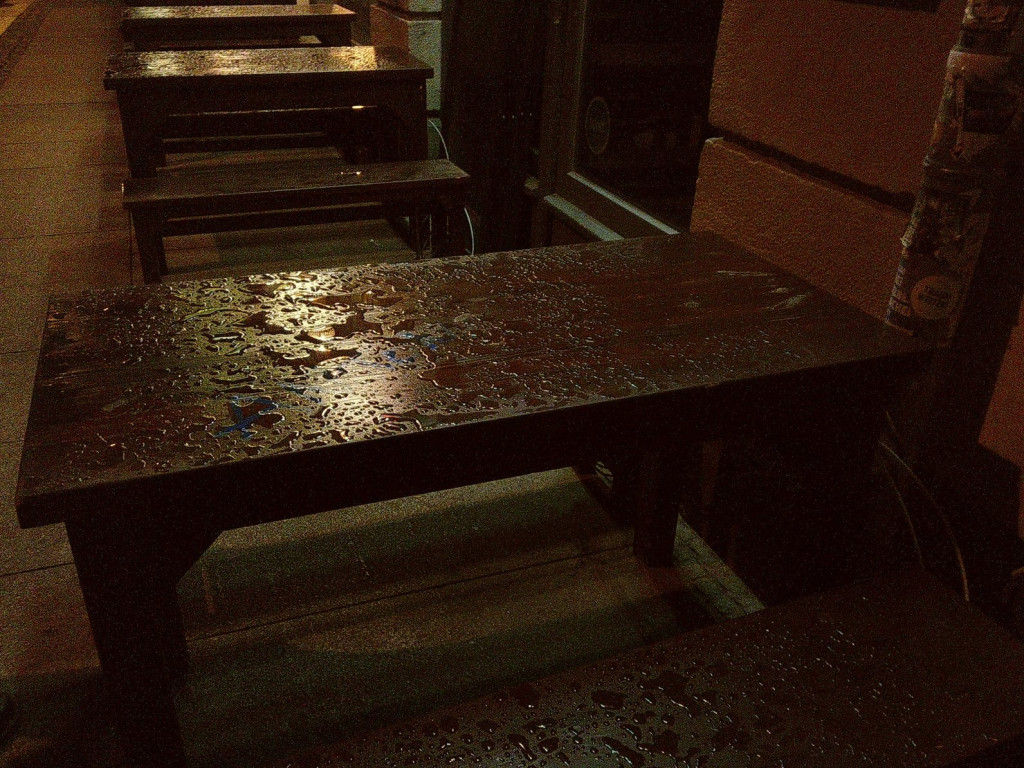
(979, 112)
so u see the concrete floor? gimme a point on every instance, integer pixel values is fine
(301, 632)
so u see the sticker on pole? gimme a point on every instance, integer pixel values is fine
(934, 297)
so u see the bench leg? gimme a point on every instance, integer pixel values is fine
(128, 571)
(417, 233)
(152, 258)
(140, 118)
(127, 608)
(655, 484)
(440, 230)
(326, 38)
(407, 107)
(789, 502)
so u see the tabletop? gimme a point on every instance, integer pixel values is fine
(265, 66)
(162, 14)
(141, 383)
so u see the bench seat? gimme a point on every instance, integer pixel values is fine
(236, 26)
(895, 671)
(287, 192)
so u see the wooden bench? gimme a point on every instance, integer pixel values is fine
(234, 26)
(173, 3)
(167, 95)
(163, 415)
(895, 671)
(288, 193)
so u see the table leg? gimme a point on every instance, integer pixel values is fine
(408, 106)
(152, 257)
(790, 500)
(139, 120)
(335, 38)
(655, 486)
(446, 215)
(129, 590)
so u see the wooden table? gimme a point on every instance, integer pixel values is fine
(164, 414)
(198, 26)
(147, 3)
(156, 88)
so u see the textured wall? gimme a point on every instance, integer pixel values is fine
(414, 25)
(1003, 431)
(853, 88)
(844, 243)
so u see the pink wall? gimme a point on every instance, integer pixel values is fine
(850, 88)
(851, 92)
(1003, 432)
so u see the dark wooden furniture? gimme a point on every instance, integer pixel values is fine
(165, 94)
(272, 194)
(201, 26)
(891, 671)
(169, 3)
(164, 414)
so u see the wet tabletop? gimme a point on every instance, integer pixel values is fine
(894, 672)
(158, 14)
(265, 64)
(140, 381)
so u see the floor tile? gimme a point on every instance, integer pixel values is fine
(467, 532)
(63, 264)
(24, 550)
(17, 374)
(9, 12)
(57, 201)
(46, 629)
(88, 124)
(94, 260)
(23, 259)
(36, 154)
(276, 250)
(22, 314)
(48, 665)
(95, 20)
(357, 555)
(43, 88)
(57, 68)
(380, 662)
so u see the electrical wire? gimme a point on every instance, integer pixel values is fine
(918, 553)
(934, 504)
(894, 430)
(131, 252)
(472, 235)
(447, 156)
(444, 144)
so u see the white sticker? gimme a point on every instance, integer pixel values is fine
(934, 297)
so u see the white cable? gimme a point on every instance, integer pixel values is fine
(444, 144)
(469, 221)
(918, 553)
(938, 511)
(472, 236)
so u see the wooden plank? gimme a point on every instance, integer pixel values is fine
(150, 27)
(161, 93)
(893, 671)
(271, 66)
(222, 185)
(141, 393)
